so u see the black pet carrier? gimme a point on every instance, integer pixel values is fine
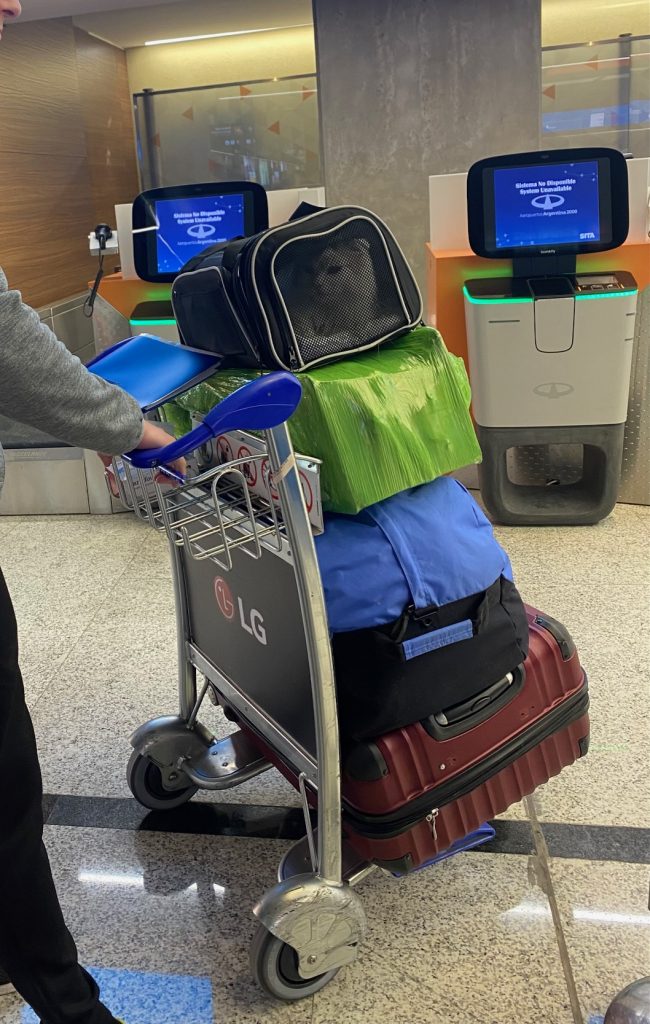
(299, 295)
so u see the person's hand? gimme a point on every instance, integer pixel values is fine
(154, 436)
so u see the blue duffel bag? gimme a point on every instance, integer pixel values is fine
(422, 608)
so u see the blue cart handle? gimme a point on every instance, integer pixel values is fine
(259, 405)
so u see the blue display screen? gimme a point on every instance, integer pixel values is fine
(551, 204)
(187, 226)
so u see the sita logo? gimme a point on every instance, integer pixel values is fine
(253, 623)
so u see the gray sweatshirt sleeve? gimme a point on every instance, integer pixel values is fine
(44, 385)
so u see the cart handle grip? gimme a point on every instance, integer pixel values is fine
(261, 404)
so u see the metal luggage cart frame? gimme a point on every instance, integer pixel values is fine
(311, 923)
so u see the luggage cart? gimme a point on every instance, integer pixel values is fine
(251, 619)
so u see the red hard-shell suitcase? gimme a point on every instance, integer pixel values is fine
(410, 794)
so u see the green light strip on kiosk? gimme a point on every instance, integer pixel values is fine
(607, 295)
(489, 302)
(512, 301)
(151, 323)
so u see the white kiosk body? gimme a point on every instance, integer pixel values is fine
(550, 351)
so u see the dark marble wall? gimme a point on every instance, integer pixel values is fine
(409, 88)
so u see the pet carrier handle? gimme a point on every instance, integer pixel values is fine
(261, 404)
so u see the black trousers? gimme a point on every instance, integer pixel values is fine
(37, 951)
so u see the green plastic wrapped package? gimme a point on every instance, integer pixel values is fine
(381, 422)
(180, 420)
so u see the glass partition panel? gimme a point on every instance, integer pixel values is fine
(264, 131)
(598, 94)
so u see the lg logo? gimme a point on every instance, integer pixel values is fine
(224, 598)
(253, 623)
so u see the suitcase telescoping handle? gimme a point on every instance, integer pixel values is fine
(259, 405)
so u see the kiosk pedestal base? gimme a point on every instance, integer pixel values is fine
(583, 491)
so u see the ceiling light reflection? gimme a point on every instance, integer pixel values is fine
(579, 914)
(105, 878)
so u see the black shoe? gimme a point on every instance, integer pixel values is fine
(6, 988)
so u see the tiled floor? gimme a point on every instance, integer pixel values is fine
(485, 938)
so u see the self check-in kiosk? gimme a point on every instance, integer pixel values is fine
(163, 229)
(550, 350)
(173, 224)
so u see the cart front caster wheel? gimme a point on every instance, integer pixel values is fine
(274, 966)
(144, 779)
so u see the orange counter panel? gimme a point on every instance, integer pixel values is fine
(124, 296)
(448, 270)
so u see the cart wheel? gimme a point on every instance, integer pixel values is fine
(144, 779)
(274, 965)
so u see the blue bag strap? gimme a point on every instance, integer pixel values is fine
(428, 618)
(401, 546)
(437, 638)
(433, 635)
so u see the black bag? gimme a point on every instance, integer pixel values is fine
(382, 685)
(421, 605)
(299, 295)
